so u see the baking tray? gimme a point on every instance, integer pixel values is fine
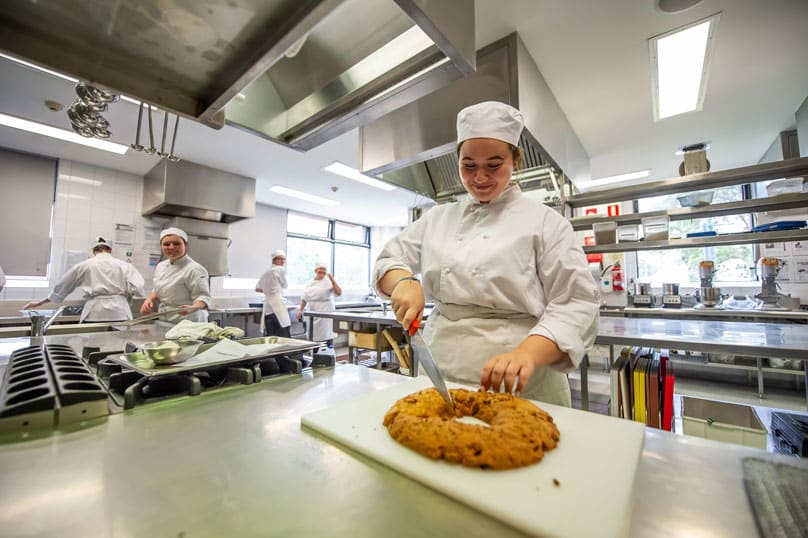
(139, 362)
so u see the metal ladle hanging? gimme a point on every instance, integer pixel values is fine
(151, 150)
(162, 153)
(171, 157)
(136, 146)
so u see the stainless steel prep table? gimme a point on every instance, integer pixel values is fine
(780, 340)
(164, 470)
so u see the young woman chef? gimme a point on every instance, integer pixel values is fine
(107, 283)
(272, 283)
(319, 296)
(515, 304)
(179, 281)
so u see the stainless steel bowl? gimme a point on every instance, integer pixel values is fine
(170, 351)
(710, 296)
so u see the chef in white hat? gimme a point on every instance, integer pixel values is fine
(179, 281)
(318, 295)
(272, 283)
(107, 285)
(515, 304)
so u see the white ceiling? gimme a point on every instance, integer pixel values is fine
(594, 56)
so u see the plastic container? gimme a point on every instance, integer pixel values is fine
(628, 232)
(720, 421)
(696, 199)
(605, 233)
(655, 228)
(783, 186)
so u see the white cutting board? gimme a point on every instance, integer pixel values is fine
(595, 463)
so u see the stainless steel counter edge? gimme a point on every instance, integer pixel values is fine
(237, 462)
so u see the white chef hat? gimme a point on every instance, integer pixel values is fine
(100, 242)
(278, 253)
(490, 119)
(174, 231)
(320, 263)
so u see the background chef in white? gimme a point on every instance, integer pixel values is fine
(515, 303)
(271, 284)
(107, 283)
(319, 296)
(179, 281)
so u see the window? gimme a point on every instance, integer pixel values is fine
(26, 207)
(342, 246)
(733, 263)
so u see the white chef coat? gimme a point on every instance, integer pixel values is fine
(182, 283)
(499, 272)
(273, 282)
(106, 283)
(319, 296)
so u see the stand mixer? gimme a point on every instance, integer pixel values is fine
(769, 269)
(708, 295)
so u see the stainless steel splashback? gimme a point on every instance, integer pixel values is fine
(414, 146)
(307, 70)
(186, 189)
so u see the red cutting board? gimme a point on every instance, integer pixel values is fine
(594, 464)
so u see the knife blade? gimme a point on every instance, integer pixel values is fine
(424, 357)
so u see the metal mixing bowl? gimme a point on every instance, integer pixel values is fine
(170, 351)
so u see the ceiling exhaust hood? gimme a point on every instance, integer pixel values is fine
(414, 146)
(295, 71)
(186, 189)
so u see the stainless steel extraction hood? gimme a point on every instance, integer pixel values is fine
(186, 189)
(414, 146)
(296, 71)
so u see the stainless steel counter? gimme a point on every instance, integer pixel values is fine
(237, 463)
(702, 313)
(788, 341)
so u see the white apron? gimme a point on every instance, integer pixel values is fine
(106, 308)
(274, 304)
(323, 327)
(463, 346)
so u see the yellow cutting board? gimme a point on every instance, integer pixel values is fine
(595, 464)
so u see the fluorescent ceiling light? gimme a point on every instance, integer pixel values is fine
(286, 191)
(61, 134)
(679, 64)
(584, 185)
(26, 282)
(352, 173)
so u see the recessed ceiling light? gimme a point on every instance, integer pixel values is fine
(286, 191)
(679, 65)
(352, 173)
(61, 134)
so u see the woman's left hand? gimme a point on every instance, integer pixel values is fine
(186, 309)
(514, 368)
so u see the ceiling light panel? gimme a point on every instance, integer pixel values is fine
(286, 191)
(61, 134)
(352, 173)
(680, 62)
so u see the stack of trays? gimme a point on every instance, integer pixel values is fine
(46, 387)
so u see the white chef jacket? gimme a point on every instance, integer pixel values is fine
(319, 296)
(106, 283)
(182, 283)
(273, 282)
(499, 272)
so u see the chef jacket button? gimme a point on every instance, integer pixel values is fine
(485, 236)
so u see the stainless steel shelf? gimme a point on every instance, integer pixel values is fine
(693, 242)
(694, 182)
(784, 201)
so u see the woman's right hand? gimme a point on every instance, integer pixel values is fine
(407, 301)
(299, 314)
(147, 307)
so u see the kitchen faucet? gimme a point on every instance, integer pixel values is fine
(38, 328)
